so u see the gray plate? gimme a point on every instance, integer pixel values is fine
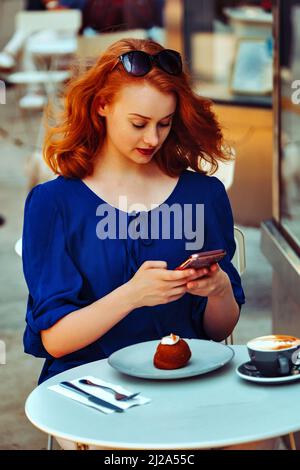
(137, 360)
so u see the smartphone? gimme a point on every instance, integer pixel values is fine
(202, 260)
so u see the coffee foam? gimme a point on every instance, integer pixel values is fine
(273, 342)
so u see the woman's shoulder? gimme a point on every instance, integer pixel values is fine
(50, 191)
(204, 182)
(58, 184)
(48, 197)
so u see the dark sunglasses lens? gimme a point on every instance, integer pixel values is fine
(137, 63)
(170, 61)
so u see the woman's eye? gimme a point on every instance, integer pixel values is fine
(141, 126)
(138, 126)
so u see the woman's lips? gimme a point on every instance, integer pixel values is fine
(147, 152)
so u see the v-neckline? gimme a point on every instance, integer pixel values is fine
(103, 201)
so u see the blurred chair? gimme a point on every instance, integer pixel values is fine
(60, 30)
(90, 47)
(224, 173)
(238, 261)
(96, 44)
(239, 258)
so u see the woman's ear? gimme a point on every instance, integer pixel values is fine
(102, 108)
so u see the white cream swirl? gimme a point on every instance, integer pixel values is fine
(170, 340)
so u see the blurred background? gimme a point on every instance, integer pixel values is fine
(245, 56)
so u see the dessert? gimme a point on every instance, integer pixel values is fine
(172, 353)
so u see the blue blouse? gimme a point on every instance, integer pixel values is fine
(67, 266)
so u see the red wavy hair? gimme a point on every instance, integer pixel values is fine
(72, 144)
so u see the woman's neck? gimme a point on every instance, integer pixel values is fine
(109, 164)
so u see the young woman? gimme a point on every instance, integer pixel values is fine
(100, 269)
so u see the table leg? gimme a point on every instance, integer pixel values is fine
(50, 442)
(292, 441)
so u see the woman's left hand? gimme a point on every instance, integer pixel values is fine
(212, 282)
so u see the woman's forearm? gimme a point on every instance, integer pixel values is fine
(82, 327)
(221, 314)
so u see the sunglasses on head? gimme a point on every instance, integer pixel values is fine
(139, 63)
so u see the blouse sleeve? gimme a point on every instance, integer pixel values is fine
(224, 231)
(53, 281)
(77, 4)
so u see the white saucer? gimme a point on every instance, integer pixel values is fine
(244, 374)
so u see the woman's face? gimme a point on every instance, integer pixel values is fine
(138, 122)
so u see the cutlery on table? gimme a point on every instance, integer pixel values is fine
(117, 395)
(91, 398)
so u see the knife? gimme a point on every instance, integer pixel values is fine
(91, 398)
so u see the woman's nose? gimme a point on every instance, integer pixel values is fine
(151, 138)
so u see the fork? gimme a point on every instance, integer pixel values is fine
(117, 395)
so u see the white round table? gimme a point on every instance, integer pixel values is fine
(208, 411)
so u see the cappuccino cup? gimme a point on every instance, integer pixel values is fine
(274, 355)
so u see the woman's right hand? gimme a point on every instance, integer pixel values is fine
(153, 284)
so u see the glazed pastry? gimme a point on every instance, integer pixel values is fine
(172, 353)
